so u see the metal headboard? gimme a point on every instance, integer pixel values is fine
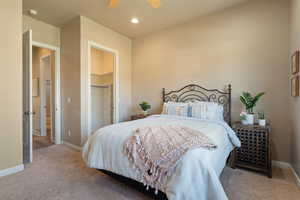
(194, 92)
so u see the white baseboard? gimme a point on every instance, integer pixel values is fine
(12, 170)
(78, 148)
(296, 176)
(280, 164)
(286, 165)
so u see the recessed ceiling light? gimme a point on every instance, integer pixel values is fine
(135, 20)
(32, 12)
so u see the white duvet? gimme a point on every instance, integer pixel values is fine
(197, 174)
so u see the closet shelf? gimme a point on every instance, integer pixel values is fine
(101, 86)
(107, 73)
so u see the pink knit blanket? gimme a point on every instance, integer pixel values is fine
(155, 151)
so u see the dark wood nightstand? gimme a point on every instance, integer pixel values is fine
(255, 152)
(140, 116)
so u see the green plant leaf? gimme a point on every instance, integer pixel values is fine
(243, 100)
(258, 96)
(145, 106)
(249, 101)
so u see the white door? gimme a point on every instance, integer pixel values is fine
(45, 73)
(27, 97)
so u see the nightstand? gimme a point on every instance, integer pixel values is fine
(255, 152)
(140, 116)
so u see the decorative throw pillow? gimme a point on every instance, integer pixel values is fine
(174, 108)
(207, 110)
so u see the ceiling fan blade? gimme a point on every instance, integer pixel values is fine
(154, 3)
(113, 3)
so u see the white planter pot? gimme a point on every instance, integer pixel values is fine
(250, 119)
(244, 122)
(262, 122)
(145, 113)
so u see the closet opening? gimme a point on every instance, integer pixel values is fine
(102, 88)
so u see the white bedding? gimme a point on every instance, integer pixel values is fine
(197, 174)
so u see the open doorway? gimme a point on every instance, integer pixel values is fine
(102, 86)
(43, 97)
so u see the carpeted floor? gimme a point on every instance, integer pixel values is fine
(40, 142)
(58, 173)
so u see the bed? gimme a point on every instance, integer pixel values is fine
(197, 174)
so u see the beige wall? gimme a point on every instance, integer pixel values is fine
(246, 45)
(42, 32)
(102, 62)
(91, 31)
(74, 53)
(295, 102)
(70, 81)
(106, 79)
(11, 84)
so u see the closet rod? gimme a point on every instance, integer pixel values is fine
(101, 86)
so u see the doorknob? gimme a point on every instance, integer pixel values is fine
(29, 113)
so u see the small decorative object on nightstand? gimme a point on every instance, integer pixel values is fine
(145, 106)
(262, 119)
(255, 152)
(249, 102)
(140, 116)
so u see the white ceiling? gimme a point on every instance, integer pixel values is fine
(172, 12)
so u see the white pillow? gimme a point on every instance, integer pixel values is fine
(207, 110)
(220, 113)
(175, 108)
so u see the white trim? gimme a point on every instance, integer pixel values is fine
(12, 170)
(73, 146)
(280, 164)
(286, 165)
(57, 117)
(87, 82)
(45, 45)
(297, 179)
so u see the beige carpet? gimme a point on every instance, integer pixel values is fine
(58, 173)
(40, 142)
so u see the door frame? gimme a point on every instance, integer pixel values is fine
(57, 117)
(95, 45)
(43, 117)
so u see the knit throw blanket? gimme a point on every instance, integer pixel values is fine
(155, 151)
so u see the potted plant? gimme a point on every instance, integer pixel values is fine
(261, 119)
(249, 102)
(145, 106)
